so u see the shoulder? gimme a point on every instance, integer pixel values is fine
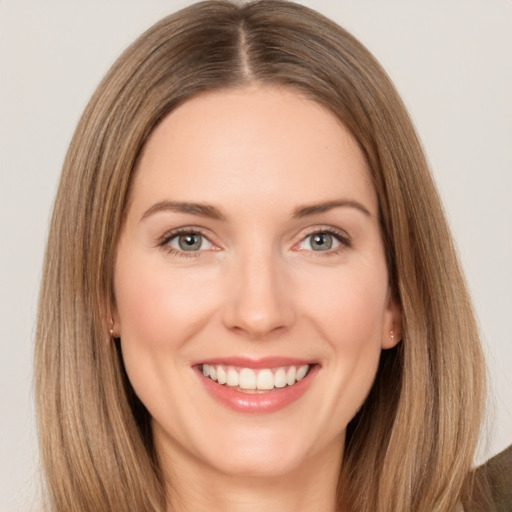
(491, 485)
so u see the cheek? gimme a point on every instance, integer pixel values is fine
(159, 312)
(349, 313)
(349, 307)
(159, 307)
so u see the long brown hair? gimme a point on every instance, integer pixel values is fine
(411, 445)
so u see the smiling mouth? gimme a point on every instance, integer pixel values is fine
(255, 381)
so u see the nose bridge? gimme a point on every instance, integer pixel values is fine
(259, 302)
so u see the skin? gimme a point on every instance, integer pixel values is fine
(256, 288)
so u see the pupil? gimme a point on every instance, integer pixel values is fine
(190, 242)
(322, 241)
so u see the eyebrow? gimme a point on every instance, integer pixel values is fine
(304, 211)
(212, 212)
(200, 209)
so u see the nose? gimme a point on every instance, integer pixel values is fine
(259, 301)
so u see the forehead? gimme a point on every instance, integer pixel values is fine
(264, 142)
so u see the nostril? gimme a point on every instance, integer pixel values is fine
(258, 330)
(259, 319)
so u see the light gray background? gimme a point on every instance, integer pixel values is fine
(451, 61)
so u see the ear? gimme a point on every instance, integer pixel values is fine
(392, 323)
(114, 326)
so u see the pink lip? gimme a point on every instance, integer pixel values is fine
(254, 403)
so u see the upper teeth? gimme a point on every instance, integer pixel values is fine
(247, 378)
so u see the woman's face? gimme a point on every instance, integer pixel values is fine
(251, 253)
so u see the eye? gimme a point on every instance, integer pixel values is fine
(323, 241)
(189, 242)
(319, 242)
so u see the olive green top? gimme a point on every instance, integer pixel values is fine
(492, 485)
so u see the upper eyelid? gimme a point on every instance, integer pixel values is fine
(325, 229)
(170, 234)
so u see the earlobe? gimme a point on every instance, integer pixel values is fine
(392, 331)
(113, 326)
(114, 330)
(392, 340)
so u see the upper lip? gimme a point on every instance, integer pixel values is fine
(255, 363)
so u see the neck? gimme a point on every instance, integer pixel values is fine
(199, 488)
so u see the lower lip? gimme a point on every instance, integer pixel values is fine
(258, 403)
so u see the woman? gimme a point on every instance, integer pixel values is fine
(250, 297)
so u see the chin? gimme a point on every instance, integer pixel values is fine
(247, 449)
(259, 463)
(262, 451)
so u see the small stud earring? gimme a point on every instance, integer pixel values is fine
(111, 330)
(392, 334)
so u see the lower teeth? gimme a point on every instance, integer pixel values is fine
(252, 391)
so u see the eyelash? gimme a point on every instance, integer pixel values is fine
(338, 235)
(165, 239)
